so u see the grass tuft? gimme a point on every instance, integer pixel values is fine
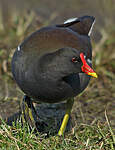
(97, 136)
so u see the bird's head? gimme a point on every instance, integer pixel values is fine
(78, 61)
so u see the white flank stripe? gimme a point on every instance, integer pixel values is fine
(18, 48)
(70, 20)
(91, 28)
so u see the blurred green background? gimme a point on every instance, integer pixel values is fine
(18, 18)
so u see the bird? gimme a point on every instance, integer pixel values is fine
(54, 64)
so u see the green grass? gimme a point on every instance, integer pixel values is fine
(97, 136)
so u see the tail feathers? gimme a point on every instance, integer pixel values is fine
(82, 25)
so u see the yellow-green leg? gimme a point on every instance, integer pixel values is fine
(27, 112)
(66, 117)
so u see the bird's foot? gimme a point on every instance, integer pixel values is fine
(29, 113)
(30, 116)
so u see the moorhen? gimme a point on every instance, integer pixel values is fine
(54, 64)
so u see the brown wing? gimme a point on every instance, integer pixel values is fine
(53, 38)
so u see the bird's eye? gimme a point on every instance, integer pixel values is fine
(74, 59)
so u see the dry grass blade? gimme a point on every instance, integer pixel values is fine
(5, 132)
(112, 134)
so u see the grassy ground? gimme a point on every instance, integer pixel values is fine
(85, 137)
(93, 112)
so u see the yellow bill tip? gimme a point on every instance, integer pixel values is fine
(93, 74)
